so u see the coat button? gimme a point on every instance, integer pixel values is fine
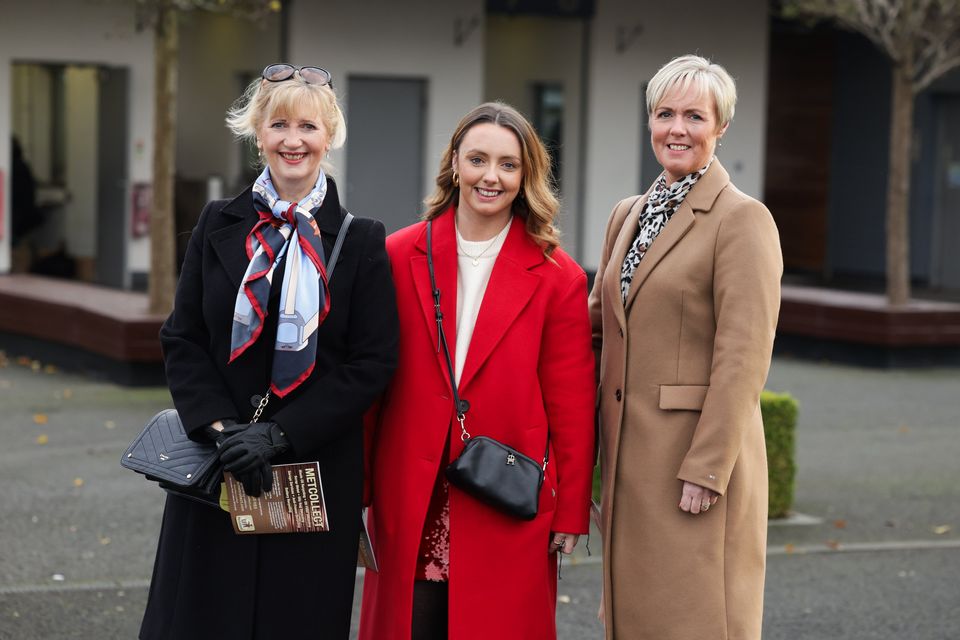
(256, 399)
(619, 395)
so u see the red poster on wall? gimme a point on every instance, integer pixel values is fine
(142, 194)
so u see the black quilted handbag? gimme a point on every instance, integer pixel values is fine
(163, 453)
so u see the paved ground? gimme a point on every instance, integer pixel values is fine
(877, 457)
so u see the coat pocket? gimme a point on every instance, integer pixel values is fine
(688, 397)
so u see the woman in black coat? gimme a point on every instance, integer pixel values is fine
(222, 351)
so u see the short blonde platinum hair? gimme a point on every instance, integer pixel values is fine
(264, 99)
(693, 70)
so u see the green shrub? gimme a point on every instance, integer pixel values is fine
(779, 412)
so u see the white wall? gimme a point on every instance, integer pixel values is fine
(79, 31)
(523, 51)
(215, 52)
(733, 34)
(385, 38)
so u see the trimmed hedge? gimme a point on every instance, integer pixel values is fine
(779, 411)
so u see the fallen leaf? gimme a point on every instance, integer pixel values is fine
(110, 424)
(49, 369)
(840, 524)
(833, 544)
(67, 394)
(40, 418)
(904, 429)
(119, 608)
(941, 529)
(36, 365)
(789, 548)
(42, 439)
(104, 540)
(23, 361)
(78, 482)
(4, 384)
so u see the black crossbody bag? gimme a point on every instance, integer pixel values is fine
(487, 469)
(165, 454)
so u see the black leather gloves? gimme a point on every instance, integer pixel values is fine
(209, 434)
(246, 452)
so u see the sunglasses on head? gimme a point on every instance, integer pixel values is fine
(283, 71)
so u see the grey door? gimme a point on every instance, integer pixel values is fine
(946, 268)
(385, 132)
(112, 172)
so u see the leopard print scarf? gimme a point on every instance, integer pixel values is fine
(660, 206)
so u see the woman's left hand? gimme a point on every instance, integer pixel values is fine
(695, 498)
(563, 542)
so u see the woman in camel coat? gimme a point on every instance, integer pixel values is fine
(685, 304)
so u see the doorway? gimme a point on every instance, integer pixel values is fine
(946, 268)
(70, 131)
(385, 149)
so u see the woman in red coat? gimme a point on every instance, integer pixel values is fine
(514, 311)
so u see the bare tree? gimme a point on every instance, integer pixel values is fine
(922, 40)
(162, 17)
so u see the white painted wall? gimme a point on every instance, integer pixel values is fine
(523, 51)
(79, 31)
(385, 38)
(733, 34)
(215, 52)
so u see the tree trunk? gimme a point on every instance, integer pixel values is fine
(162, 251)
(898, 187)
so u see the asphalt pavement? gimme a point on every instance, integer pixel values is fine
(873, 550)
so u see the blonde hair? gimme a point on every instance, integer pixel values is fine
(693, 70)
(537, 201)
(264, 99)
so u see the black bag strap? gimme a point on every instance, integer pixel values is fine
(341, 236)
(462, 405)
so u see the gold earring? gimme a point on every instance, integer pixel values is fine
(456, 179)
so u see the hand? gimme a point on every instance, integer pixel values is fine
(246, 453)
(213, 432)
(695, 498)
(563, 542)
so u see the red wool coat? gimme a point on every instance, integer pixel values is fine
(528, 373)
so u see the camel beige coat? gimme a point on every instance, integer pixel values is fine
(681, 369)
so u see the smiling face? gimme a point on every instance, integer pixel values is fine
(293, 146)
(684, 130)
(488, 162)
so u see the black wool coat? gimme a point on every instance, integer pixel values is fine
(207, 581)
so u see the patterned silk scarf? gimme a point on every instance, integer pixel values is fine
(660, 206)
(284, 228)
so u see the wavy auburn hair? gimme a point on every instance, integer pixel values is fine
(537, 201)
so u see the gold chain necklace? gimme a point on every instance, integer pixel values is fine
(476, 258)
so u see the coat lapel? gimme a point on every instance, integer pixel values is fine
(445, 270)
(510, 289)
(615, 263)
(229, 242)
(699, 200)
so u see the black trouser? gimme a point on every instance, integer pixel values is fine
(429, 610)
